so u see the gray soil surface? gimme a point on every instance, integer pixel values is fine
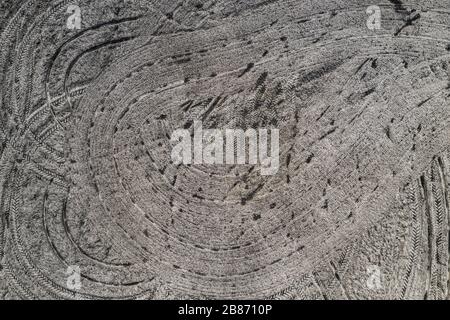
(359, 208)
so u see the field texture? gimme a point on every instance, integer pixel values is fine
(93, 207)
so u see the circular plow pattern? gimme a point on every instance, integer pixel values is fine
(93, 206)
